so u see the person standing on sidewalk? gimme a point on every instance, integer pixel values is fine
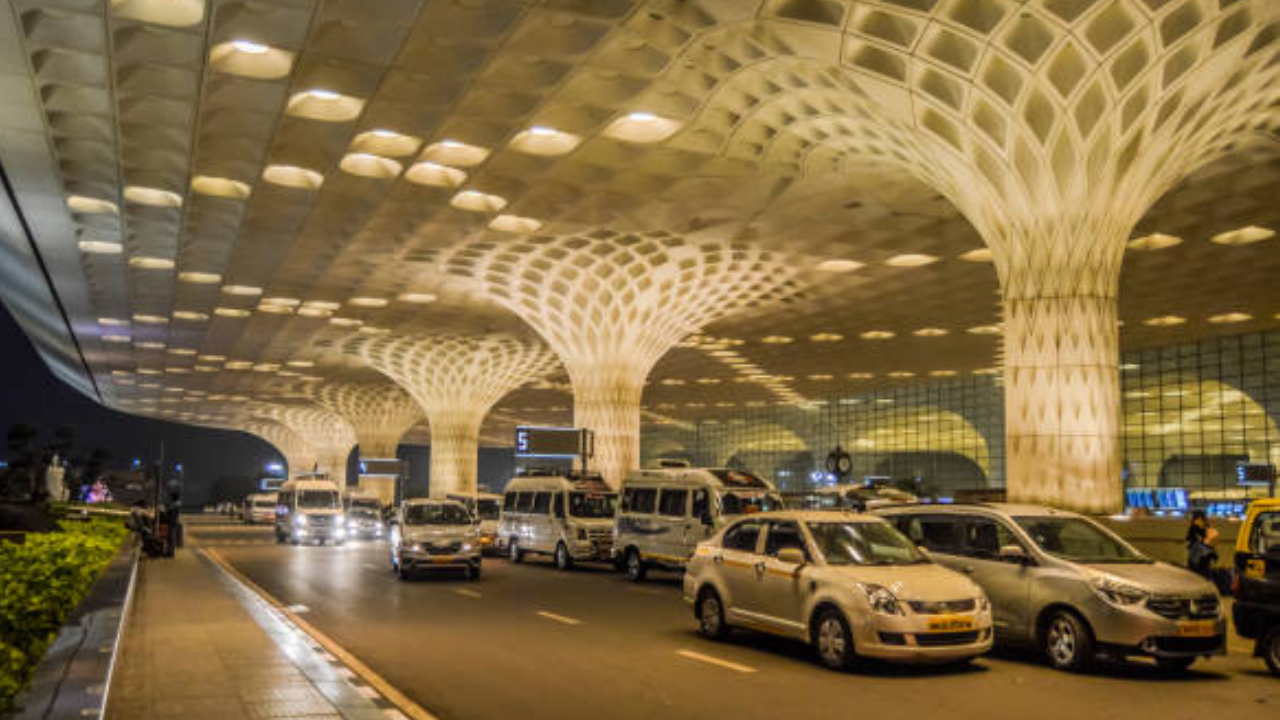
(1201, 538)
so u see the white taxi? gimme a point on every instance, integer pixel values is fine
(849, 584)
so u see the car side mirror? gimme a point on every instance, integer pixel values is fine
(1014, 553)
(793, 556)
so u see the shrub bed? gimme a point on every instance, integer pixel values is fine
(41, 583)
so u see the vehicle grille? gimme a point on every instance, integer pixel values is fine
(948, 638)
(1189, 644)
(1202, 607)
(445, 549)
(320, 520)
(939, 607)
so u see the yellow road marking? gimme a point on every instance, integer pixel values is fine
(715, 661)
(559, 618)
(468, 593)
(397, 698)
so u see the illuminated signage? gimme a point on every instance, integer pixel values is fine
(553, 442)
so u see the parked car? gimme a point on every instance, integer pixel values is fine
(1071, 588)
(1256, 583)
(568, 518)
(430, 534)
(848, 584)
(665, 512)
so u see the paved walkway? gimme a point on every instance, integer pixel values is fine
(198, 645)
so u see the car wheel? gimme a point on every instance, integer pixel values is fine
(514, 553)
(402, 573)
(711, 622)
(564, 561)
(1269, 646)
(473, 573)
(1175, 664)
(833, 641)
(635, 566)
(1067, 642)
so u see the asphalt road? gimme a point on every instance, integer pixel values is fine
(528, 641)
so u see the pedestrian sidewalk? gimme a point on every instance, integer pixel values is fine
(198, 644)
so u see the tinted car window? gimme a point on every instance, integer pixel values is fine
(509, 502)
(941, 533)
(742, 536)
(542, 503)
(524, 502)
(701, 503)
(673, 502)
(783, 535)
(641, 500)
(984, 537)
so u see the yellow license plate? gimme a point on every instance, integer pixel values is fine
(1195, 628)
(950, 623)
(1255, 569)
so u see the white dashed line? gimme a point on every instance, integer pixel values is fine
(560, 618)
(298, 609)
(715, 661)
(368, 692)
(468, 593)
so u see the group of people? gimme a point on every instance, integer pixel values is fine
(1202, 553)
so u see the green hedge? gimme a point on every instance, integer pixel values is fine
(41, 582)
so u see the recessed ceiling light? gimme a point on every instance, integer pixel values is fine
(250, 59)
(324, 105)
(212, 358)
(977, 256)
(169, 13)
(820, 377)
(284, 301)
(642, 128)
(346, 322)
(150, 319)
(435, 175)
(942, 373)
(314, 312)
(1164, 321)
(515, 224)
(113, 322)
(323, 304)
(371, 330)
(457, 154)
(709, 381)
(369, 302)
(230, 312)
(301, 363)
(985, 330)
(987, 371)
(545, 141)
(476, 201)
(100, 247)
(242, 290)
(910, 260)
(200, 278)
(238, 365)
(181, 351)
(386, 143)
(861, 376)
(115, 338)
(370, 166)
(838, 266)
(776, 340)
(1154, 241)
(826, 337)
(250, 47)
(930, 332)
(189, 315)
(876, 335)
(91, 206)
(220, 187)
(274, 309)
(152, 197)
(900, 374)
(418, 298)
(1243, 236)
(149, 345)
(293, 176)
(151, 263)
(1231, 317)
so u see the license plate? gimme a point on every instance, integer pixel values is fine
(1195, 628)
(949, 623)
(442, 560)
(1255, 569)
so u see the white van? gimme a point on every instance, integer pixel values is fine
(486, 508)
(666, 512)
(363, 510)
(309, 510)
(260, 509)
(569, 518)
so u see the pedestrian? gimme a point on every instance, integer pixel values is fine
(1201, 538)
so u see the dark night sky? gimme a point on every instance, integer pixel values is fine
(31, 394)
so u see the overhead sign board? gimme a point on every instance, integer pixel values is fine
(1255, 474)
(553, 442)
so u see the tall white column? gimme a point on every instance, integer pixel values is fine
(455, 449)
(609, 404)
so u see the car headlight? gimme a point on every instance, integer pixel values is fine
(415, 548)
(1118, 593)
(882, 600)
(300, 520)
(466, 547)
(339, 519)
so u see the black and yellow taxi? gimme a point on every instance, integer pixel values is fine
(1256, 583)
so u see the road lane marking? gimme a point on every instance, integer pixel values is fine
(468, 593)
(560, 618)
(715, 661)
(298, 608)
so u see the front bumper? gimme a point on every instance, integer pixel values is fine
(489, 543)
(367, 532)
(310, 533)
(925, 639)
(1136, 630)
(595, 549)
(425, 560)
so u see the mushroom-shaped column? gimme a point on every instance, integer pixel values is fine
(380, 413)
(456, 379)
(612, 304)
(323, 430)
(298, 456)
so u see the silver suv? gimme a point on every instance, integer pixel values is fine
(1062, 583)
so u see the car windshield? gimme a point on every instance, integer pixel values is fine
(318, 499)
(864, 543)
(366, 505)
(436, 514)
(746, 503)
(591, 505)
(488, 509)
(264, 503)
(1266, 533)
(1078, 540)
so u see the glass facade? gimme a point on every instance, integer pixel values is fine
(1195, 418)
